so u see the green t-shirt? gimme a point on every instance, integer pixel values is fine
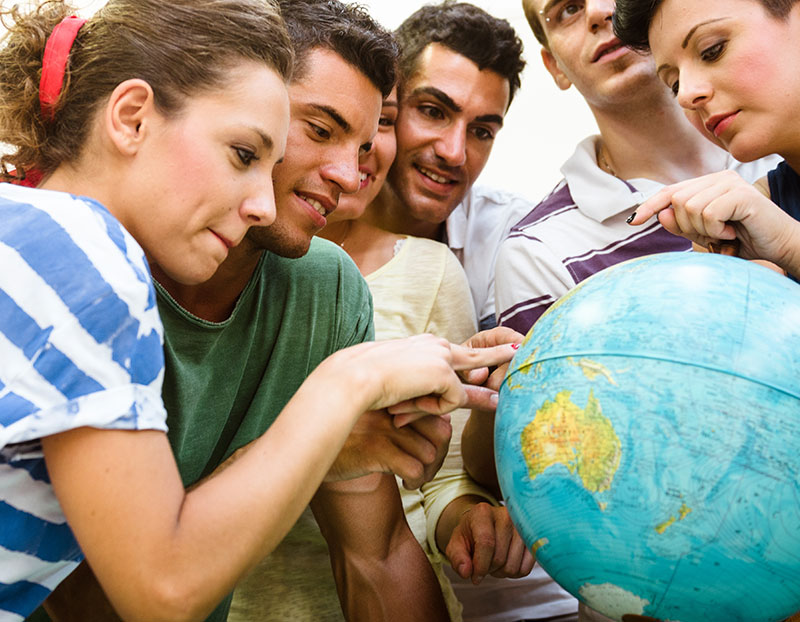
(226, 382)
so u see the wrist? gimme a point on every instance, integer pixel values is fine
(792, 261)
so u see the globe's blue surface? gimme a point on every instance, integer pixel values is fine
(648, 440)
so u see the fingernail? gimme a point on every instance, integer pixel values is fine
(630, 218)
(515, 346)
(494, 399)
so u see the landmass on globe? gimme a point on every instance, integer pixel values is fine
(683, 512)
(581, 439)
(612, 600)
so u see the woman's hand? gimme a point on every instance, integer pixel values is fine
(417, 374)
(723, 206)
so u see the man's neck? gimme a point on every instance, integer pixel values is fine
(388, 212)
(654, 140)
(215, 299)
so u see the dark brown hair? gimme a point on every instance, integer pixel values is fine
(346, 29)
(488, 41)
(632, 18)
(179, 47)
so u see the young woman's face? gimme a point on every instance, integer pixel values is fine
(373, 165)
(734, 66)
(205, 174)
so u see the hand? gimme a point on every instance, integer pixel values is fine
(491, 379)
(486, 542)
(723, 206)
(446, 390)
(415, 452)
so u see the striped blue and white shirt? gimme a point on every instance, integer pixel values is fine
(81, 344)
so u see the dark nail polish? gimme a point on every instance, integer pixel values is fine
(630, 218)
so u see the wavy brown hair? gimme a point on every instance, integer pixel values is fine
(180, 47)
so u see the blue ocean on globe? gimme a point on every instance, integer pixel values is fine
(648, 440)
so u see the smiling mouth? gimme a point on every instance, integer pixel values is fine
(314, 203)
(434, 176)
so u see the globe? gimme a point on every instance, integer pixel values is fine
(648, 440)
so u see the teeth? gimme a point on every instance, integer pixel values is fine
(315, 204)
(437, 178)
(363, 177)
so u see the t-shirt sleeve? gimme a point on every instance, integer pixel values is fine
(81, 341)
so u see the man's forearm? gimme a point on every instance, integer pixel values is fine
(477, 450)
(381, 572)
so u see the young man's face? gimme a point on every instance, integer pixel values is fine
(334, 116)
(450, 112)
(584, 51)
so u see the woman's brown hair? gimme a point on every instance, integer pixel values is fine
(180, 47)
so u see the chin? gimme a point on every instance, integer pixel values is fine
(279, 241)
(746, 153)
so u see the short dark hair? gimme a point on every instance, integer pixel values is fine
(489, 42)
(632, 18)
(348, 30)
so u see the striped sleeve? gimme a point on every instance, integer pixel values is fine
(79, 329)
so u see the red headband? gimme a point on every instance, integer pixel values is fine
(54, 62)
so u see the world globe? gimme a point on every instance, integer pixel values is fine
(648, 440)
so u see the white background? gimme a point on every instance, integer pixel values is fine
(544, 123)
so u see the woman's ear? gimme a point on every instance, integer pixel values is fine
(129, 114)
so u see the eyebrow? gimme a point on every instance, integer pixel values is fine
(443, 97)
(546, 8)
(688, 38)
(490, 118)
(447, 101)
(690, 34)
(266, 139)
(333, 114)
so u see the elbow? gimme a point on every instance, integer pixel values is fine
(164, 600)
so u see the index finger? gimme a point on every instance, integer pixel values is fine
(661, 200)
(465, 358)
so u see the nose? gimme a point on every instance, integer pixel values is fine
(344, 173)
(451, 145)
(693, 91)
(258, 208)
(599, 13)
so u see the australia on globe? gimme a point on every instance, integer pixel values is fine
(648, 441)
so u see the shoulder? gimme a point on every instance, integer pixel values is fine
(555, 204)
(44, 231)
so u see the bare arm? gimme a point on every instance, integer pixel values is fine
(162, 553)
(381, 572)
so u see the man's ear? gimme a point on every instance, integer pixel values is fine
(129, 114)
(551, 64)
